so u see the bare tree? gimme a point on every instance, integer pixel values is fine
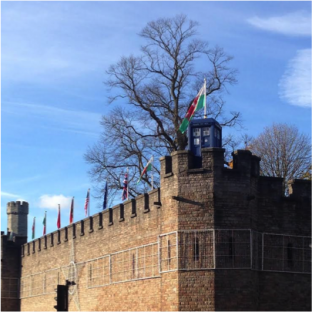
(308, 174)
(284, 152)
(152, 93)
(246, 139)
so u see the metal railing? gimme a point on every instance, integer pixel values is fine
(182, 250)
(10, 287)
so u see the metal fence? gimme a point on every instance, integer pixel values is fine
(240, 249)
(196, 250)
(10, 287)
(179, 250)
(132, 264)
(286, 253)
(40, 283)
(256, 238)
(98, 272)
(168, 252)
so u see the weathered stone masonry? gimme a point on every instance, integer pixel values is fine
(209, 238)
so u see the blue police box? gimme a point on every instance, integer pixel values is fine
(203, 132)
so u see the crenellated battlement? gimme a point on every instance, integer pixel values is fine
(17, 207)
(133, 209)
(212, 160)
(299, 188)
(235, 196)
(183, 161)
(213, 183)
(17, 217)
(246, 163)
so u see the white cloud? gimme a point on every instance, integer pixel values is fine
(52, 201)
(295, 24)
(295, 84)
(10, 195)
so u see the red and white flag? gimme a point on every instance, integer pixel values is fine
(87, 203)
(71, 215)
(59, 217)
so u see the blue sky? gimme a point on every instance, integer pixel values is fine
(53, 61)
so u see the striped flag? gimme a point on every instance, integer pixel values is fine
(125, 187)
(44, 223)
(71, 215)
(105, 197)
(33, 228)
(58, 223)
(87, 203)
(147, 168)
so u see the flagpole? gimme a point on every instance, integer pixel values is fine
(33, 229)
(73, 207)
(89, 204)
(105, 196)
(127, 183)
(205, 105)
(152, 172)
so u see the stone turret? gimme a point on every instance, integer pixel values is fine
(17, 218)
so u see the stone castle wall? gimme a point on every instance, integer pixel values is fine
(11, 271)
(210, 238)
(137, 223)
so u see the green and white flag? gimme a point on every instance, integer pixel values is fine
(33, 229)
(147, 168)
(44, 223)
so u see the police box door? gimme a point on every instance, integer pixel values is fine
(200, 139)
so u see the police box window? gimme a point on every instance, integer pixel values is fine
(196, 141)
(206, 131)
(217, 133)
(196, 131)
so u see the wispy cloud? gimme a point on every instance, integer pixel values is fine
(9, 195)
(294, 24)
(51, 201)
(33, 46)
(295, 84)
(44, 43)
(25, 180)
(56, 118)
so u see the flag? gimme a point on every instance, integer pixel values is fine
(105, 197)
(125, 187)
(87, 203)
(147, 168)
(33, 229)
(198, 103)
(44, 224)
(11, 236)
(58, 223)
(71, 216)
